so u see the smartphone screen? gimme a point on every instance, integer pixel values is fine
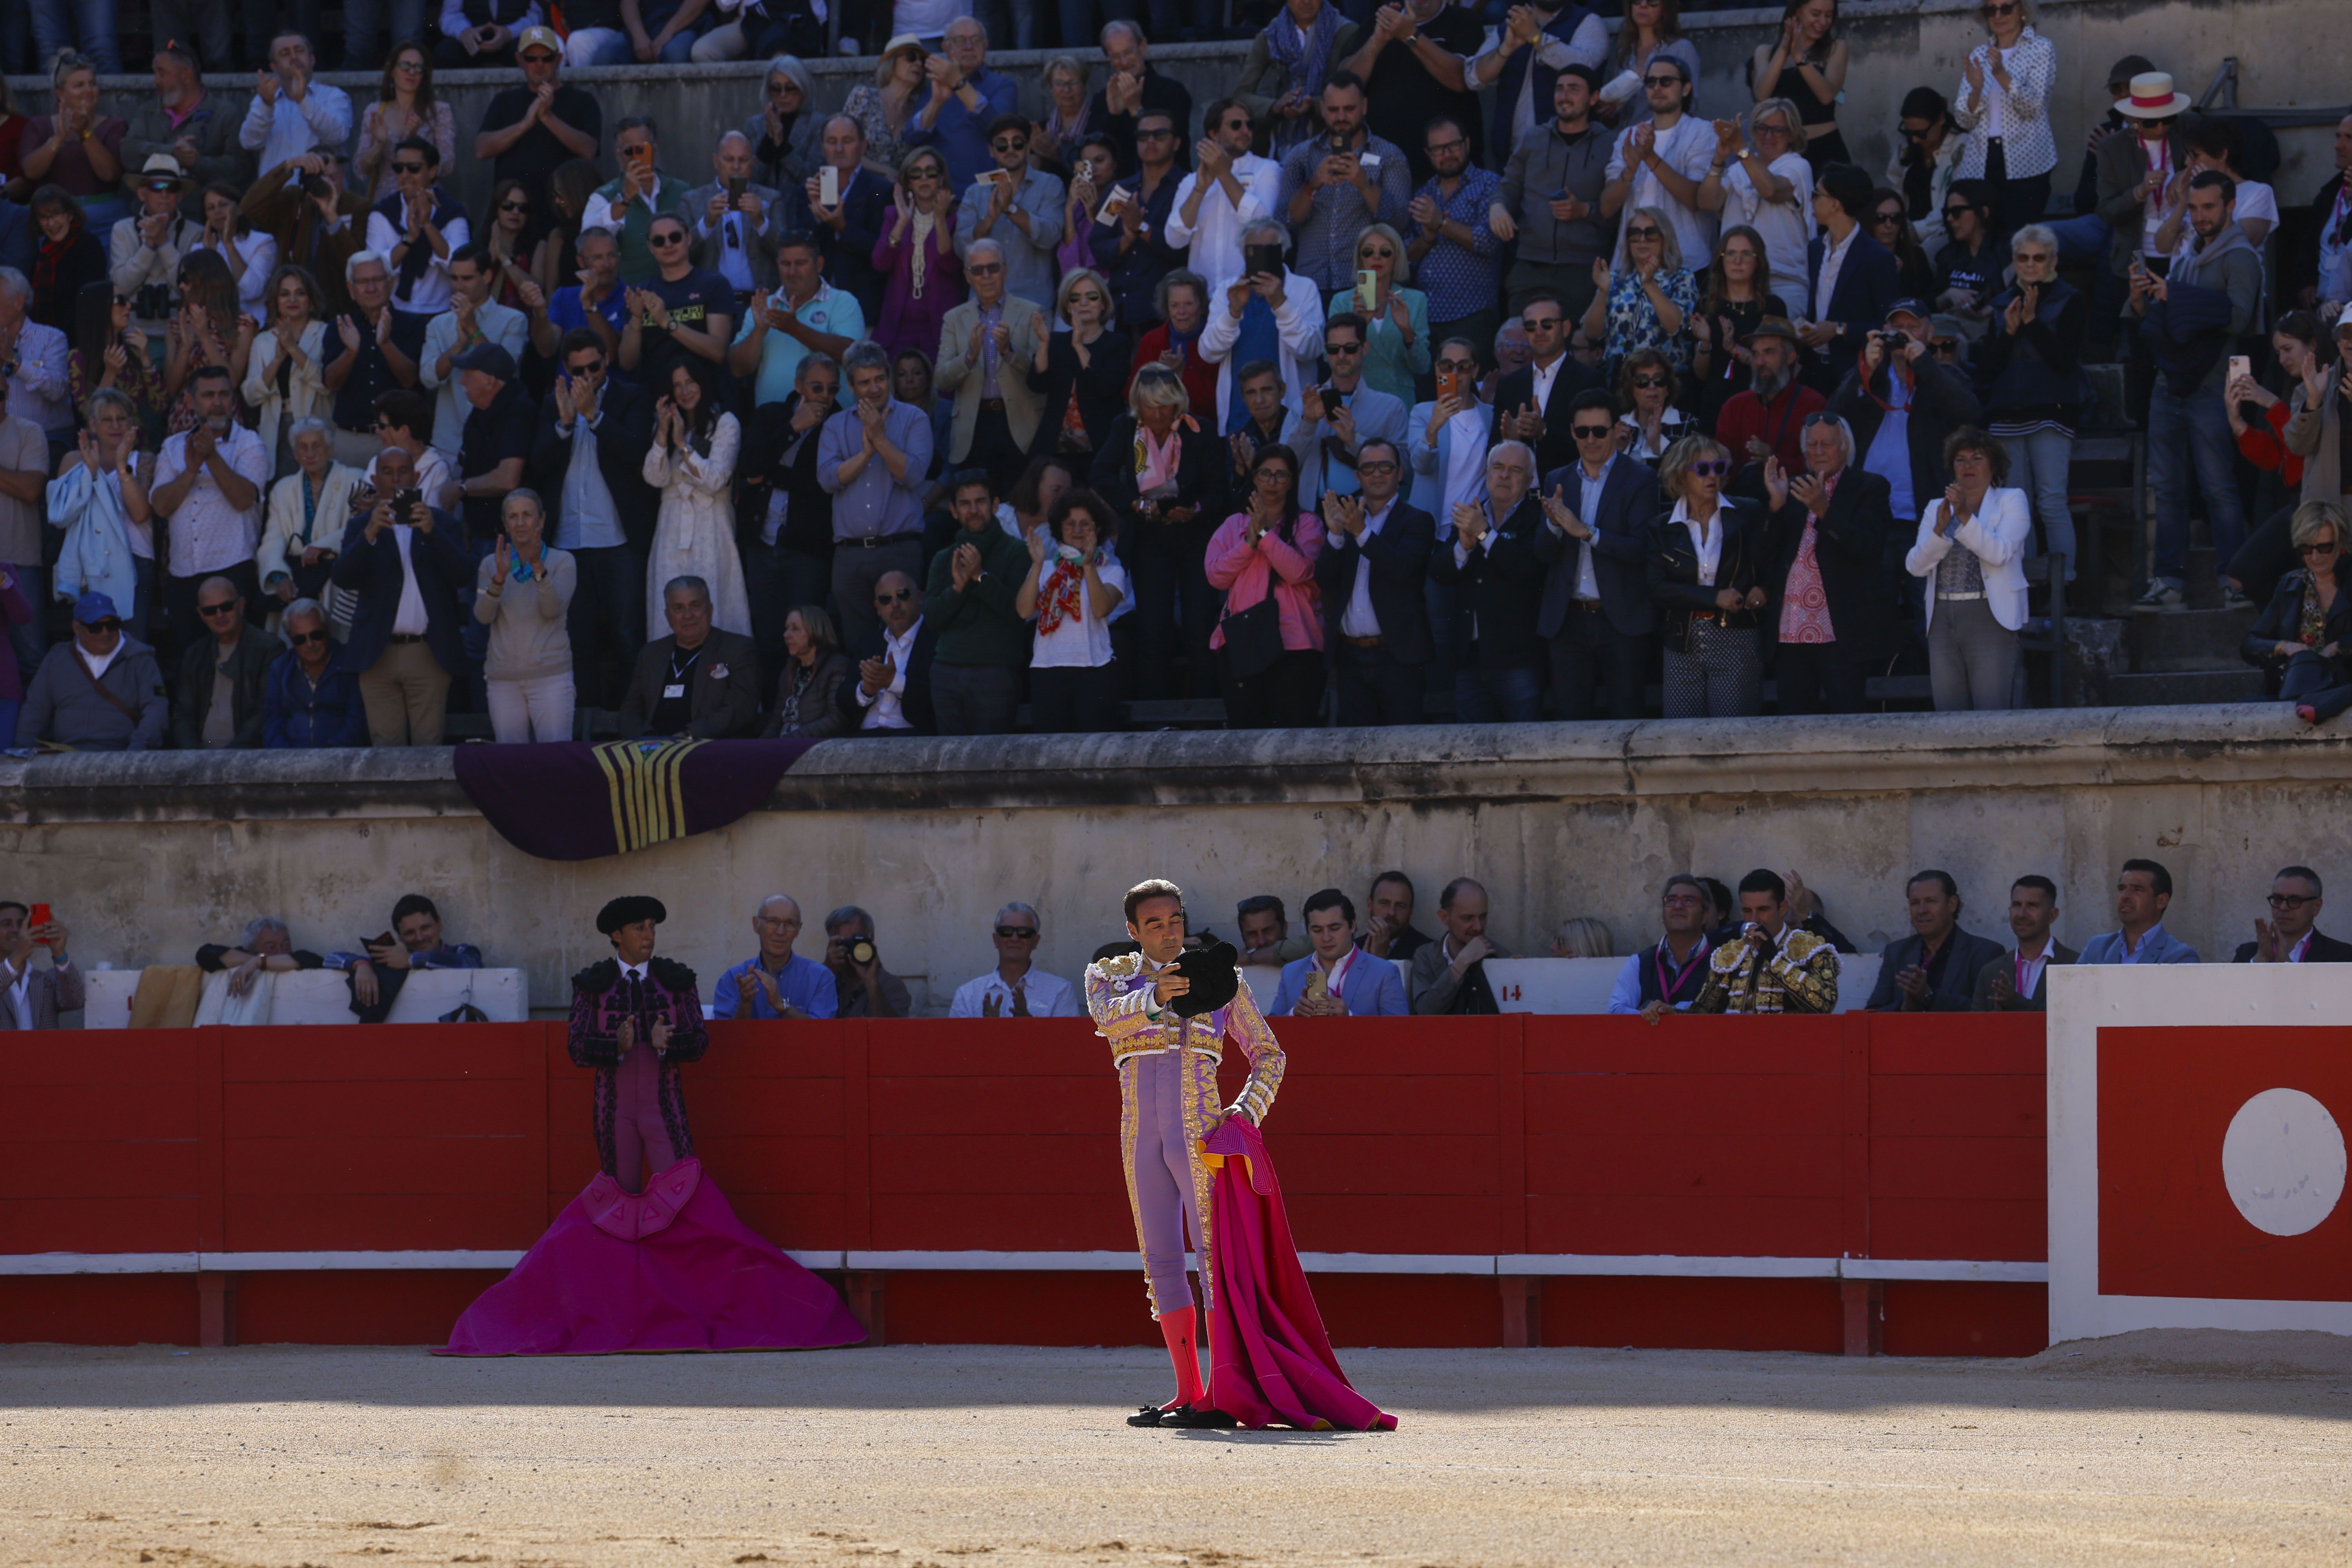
(2241, 364)
(828, 186)
(1257, 258)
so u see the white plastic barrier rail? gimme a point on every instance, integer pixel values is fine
(316, 996)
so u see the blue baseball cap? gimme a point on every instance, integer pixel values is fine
(93, 607)
(1913, 307)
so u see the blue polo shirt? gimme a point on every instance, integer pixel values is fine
(805, 983)
(962, 134)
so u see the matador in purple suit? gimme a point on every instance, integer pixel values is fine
(1167, 1064)
(651, 1256)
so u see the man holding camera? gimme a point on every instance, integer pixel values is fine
(862, 987)
(406, 562)
(1335, 186)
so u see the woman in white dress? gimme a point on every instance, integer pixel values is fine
(692, 463)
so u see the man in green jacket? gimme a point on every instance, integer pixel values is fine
(983, 641)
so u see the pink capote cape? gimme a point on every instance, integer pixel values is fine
(1269, 1358)
(669, 1269)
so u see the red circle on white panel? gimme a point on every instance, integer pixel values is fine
(2283, 1160)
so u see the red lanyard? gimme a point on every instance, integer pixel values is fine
(1666, 989)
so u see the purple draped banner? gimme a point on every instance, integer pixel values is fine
(575, 802)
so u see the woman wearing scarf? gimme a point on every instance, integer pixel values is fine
(100, 498)
(1056, 141)
(69, 258)
(1073, 586)
(1284, 74)
(917, 257)
(1164, 474)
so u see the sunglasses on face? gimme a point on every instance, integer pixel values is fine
(2326, 549)
(902, 596)
(1592, 432)
(1662, 81)
(1153, 135)
(1011, 144)
(783, 89)
(209, 611)
(1885, 220)
(1383, 254)
(162, 188)
(408, 168)
(1376, 467)
(1329, 349)
(1945, 348)
(109, 624)
(1017, 934)
(514, 207)
(1645, 233)
(1771, 131)
(1911, 133)
(1711, 467)
(1957, 209)
(2008, 10)
(1534, 324)
(985, 268)
(303, 639)
(1649, 382)
(668, 237)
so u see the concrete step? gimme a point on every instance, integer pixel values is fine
(2185, 639)
(2164, 688)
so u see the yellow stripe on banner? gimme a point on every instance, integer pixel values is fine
(648, 790)
(605, 756)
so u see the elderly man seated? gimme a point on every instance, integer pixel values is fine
(702, 682)
(1016, 987)
(32, 998)
(100, 694)
(778, 982)
(267, 944)
(1337, 980)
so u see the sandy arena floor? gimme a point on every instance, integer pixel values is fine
(2155, 1449)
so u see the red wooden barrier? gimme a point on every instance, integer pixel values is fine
(1445, 1144)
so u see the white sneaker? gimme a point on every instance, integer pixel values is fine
(2160, 596)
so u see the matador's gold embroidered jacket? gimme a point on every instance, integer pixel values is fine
(1119, 997)
(1800, 976)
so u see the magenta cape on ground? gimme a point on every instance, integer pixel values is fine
(672, 1269)
(1269, 1358)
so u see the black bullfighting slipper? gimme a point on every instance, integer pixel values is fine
(1146, 1416)
(1197, 1415)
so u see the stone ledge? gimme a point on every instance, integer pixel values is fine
(2116, 746)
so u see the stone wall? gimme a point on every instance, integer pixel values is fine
(145, 857)
(2290, 53)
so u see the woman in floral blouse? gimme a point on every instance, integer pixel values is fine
(1649, 304)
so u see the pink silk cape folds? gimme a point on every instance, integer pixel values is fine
(670, 1270)
(1269, 1358)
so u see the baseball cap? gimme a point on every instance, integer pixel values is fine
(487, 358)
(540, 38)
(93, 607)
(1918, 308)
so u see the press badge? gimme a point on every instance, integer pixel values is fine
(675, 690)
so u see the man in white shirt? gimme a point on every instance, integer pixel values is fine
(1660, 162)
(1015, 988)
(1291, 304)
(1232, 188)
(416, 229)
(473, 317)
(290, 113)
(890, 693)
(208, 483)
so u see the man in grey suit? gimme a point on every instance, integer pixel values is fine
(32, 998)
(2015, 983)
(987, 345)
(1935, 968)
(735, 235)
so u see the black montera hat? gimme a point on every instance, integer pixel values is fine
(1215, 973)
(628, 911)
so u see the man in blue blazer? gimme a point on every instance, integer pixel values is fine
(1864, 282)
(1597, 614)
(2142, 894)
(410, 574)
(1374, 566)
(1353, 983)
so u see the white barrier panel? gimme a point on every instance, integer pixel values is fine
(1582, 984)
(2197, 1180)
(318, 996)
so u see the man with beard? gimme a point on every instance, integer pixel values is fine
(1768, 419)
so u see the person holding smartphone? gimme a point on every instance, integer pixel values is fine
(32, 998)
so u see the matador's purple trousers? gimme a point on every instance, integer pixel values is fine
(1162, 1172)
(640, 1142)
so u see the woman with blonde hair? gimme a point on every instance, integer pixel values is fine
(814, 667)
(2299, 641)
(522, 591)
(75, 146)
(1582, 936)
(1976, 592)
(1081, 367)
(886, 107)
(1648, 302)
(1162, 473)
(1760, 182)
(1396, 319)
(1706, 575)
(284, 378)
(1806, 65)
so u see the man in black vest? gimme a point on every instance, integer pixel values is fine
(1666, 976)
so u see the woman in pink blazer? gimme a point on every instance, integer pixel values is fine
(1270, 658)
